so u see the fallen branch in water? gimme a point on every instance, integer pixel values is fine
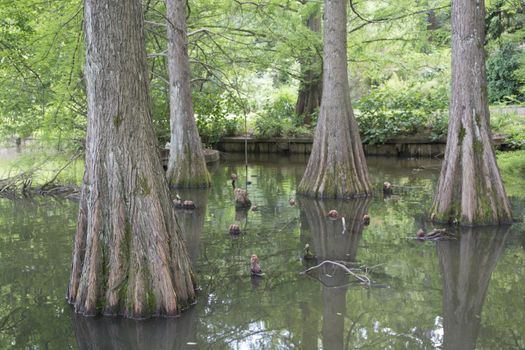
(22, 183)
(70, 161)
(360, 277)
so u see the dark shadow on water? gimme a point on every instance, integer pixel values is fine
(104, 333)
(466, 267)
(332, 241)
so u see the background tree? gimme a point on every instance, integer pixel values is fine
(310, 85)
(337, 165)
(186, 164)
(129, 258)
(469, 190)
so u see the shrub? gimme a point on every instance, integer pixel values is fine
(504, 84)
(511, 125)
(278, 119)
(388, 112)
(213, 118)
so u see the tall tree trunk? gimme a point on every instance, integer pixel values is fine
(129, 258)
(337, 165)
(469, 190)
(310, 87)
(186, 165)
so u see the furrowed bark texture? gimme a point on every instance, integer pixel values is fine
(337, 165)
(186, 164)
(469, 190)
(128, 258)
(310, 87)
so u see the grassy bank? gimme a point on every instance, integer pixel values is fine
(512, 167)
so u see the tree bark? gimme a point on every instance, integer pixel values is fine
(337, 165)
(129, 258)
(310, 86)
(186, 164)
(469, 190)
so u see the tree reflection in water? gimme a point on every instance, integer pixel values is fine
(332, 241)
(192, 221)
(102, 333)
(466, 268)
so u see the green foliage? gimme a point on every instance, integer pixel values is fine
(512, 125)
(275, 117)
(503, 82)
(213, 118)
(512, 167)
(278, 119)
(388, 112)
(41, 58)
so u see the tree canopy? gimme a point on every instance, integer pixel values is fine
(243, 56)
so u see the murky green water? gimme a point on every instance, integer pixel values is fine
(461, 294)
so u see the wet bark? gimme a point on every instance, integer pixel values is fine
(310, 86)
(469, 190)
(466, 268)
(129, 258)
(186, 165)
(337, 165)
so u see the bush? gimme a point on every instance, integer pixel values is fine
(511, 125)
(278, 119)
(213, 120)
(503, 81)
(389, 112)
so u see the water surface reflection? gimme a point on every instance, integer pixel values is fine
(452, 296)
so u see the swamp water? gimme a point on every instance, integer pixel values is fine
(459, 294)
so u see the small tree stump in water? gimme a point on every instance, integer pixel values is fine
(333, 214)
(241, 198)
(177, 203)
(235, 229)
(187, 204)
(436, 234)
(387, 188)
(234, 178)
(255, 268)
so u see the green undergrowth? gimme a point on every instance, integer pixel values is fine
(43, 165)
(512, 167)
(512, 125)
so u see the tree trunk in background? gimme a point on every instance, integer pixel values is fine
(337, 165)
(310, 87)
(186, 165)
(469, 190)
(129, 258)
